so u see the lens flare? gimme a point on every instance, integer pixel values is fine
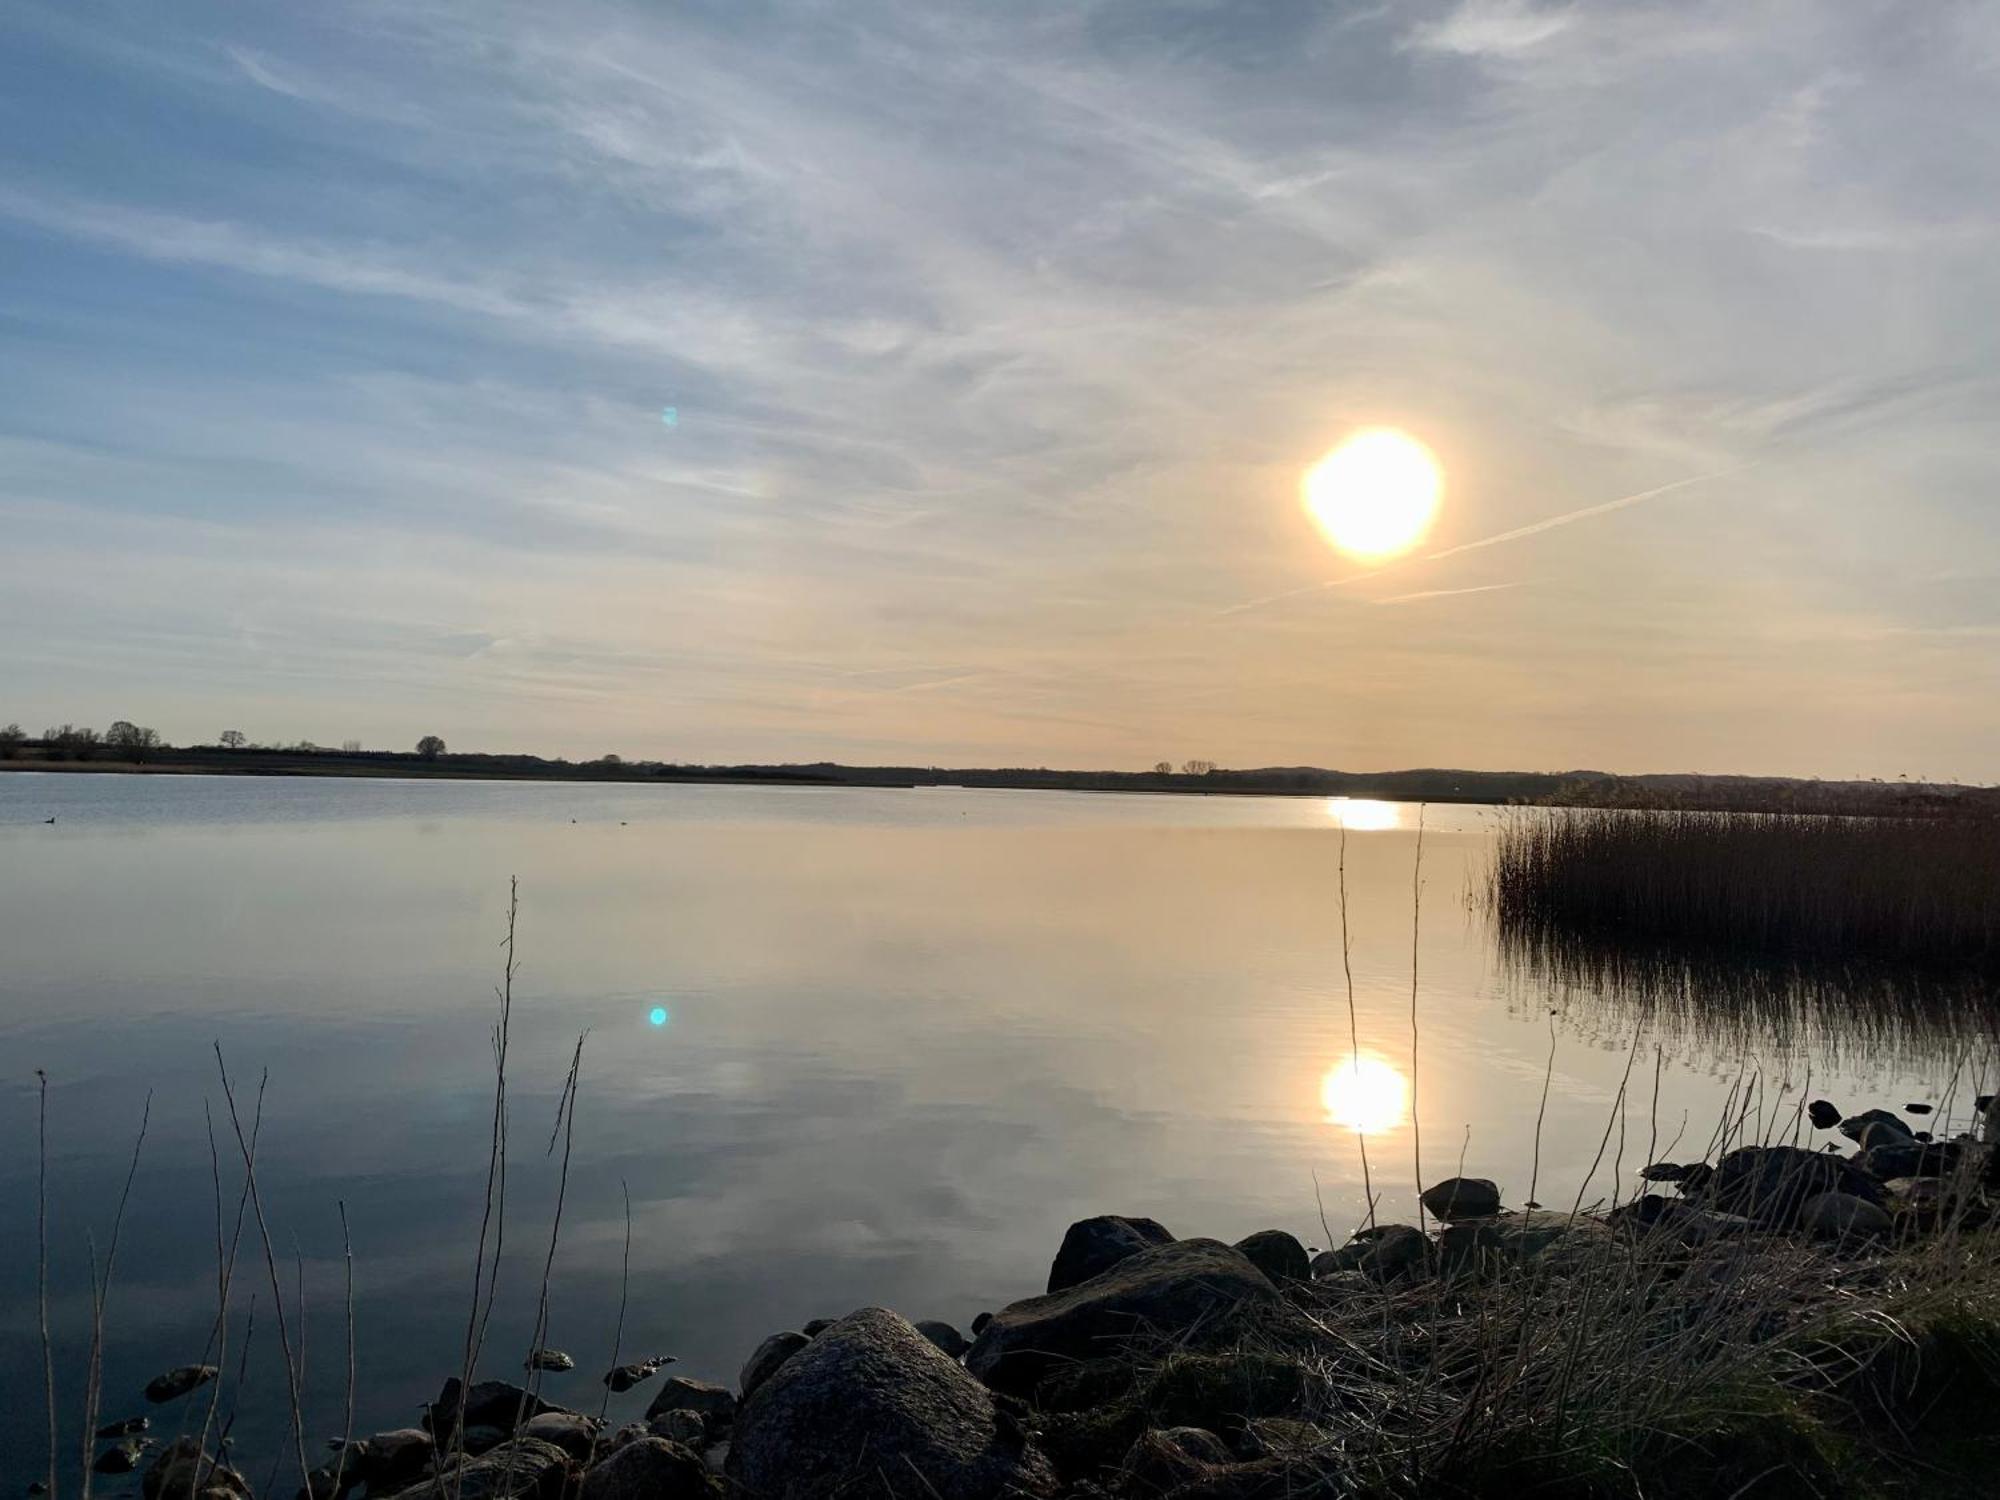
(657, 1015)
(1364, 1093)
(1375, 495)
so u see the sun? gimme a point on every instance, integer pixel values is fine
(1376, 494)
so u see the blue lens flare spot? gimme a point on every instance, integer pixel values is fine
(657, 1015)
(670, 416)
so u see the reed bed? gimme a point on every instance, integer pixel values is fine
(1917, 891)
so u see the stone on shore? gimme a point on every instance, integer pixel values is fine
(1772, 1183)
(946, 1337)
(716, 1403)
(178, 1382)
(1842, 1216)
(1462, 1198)
(688, 1428)
(1277, 1254)
(637, 1373)
(1161, 1292)
(552, 1360)
(173, 1474)
(1382, 1254)
(574, 1433)
(871, 1408)
(1168, 1457)
(650, 1468)
(1517, 1237)
(122, 1457)
(1823, 1113)
(1093, 1246)
(767, 1357)
(522, 1468)
(498, 1404)
(1854, 1127)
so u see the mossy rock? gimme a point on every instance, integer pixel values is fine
(1086, 1444)
(1222, 1391)
(1087, 1384)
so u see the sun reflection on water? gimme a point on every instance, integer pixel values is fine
(1364, 814)
(1364, 1093)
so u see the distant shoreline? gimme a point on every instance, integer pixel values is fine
(1580, 788)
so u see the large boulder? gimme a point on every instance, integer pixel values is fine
(574, 1433)
(1161, 1292)
(1384, 1253)
(1277, 1254)
(1093, 1246)
(522, 1468)
(1462, 1198)
(1842, 1216)
(392, 1459)
(871, 1408)
(716, 1403)
(1772, 1183)
(1513, 1238)
(650, 1468)
(1879, 1121)
(765, 1359)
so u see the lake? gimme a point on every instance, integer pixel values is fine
(842, 1047)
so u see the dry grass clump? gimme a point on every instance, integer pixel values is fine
(1639, 1364)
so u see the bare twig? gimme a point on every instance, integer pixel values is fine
(347, 1425)
(100, 1294)
(1353, 1022)
(42, 1269)
(1416, 935)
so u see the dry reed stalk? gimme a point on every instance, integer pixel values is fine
(618, 1331)
(42, 1268)
(225, 1276)
(347, 1426)
(493, 1215)
(1353, 1021)
(292, 1373)
(99, 1295)
(1416, 934)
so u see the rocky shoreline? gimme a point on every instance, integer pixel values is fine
(1155, 1366)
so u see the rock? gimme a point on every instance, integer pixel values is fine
(1168, 1457)
(1891, 1159)
(818, 1326)
(1922, 1196)
(979, 1323)
(1220, 1392)
(1384, 1253)
(1917, 1109)
(480, 1438)
(1855, 1126)
(650, 1468)
(766, 1358)
(549, 1359)
(631, 1432)
(680, 1426)
(491, 1403)
(518, 1469)
(1462, 1198)
(122, 1457)
(716, 1403)
(125, 1427)
(1841, 1216)
(1513, 1238)
(1663, 1171)
(944, 1336)
(174, 1474)
(1676, 1219)
(626, 1376)
(574, 1433)
(396, 1457)
(329, 1481)
(872, 1408)
(1771, 1183)
(1277, 1254)
(1823, 1113)
(178, 1382)
(1159, 1292)
(1093, 1246)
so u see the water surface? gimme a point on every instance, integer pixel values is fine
(903, 1038)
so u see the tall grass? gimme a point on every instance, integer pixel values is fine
(1775, 885)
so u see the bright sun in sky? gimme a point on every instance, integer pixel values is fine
(1375, 495)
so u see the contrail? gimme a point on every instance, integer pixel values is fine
(1483, 588)
(1533, 528)
(1588, 511)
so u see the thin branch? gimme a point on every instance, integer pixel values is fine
(42, 1270)
(99, 1295)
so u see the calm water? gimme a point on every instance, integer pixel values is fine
(908, 1037)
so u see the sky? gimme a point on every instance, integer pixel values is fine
(337, 344)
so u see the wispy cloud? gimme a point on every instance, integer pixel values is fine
(1423, 594)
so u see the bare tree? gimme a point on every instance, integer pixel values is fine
(10, 741)
(1163, 768)
(71, 742)
(1197, 767)
(232, 739)
(350, 747)
(134, 740)
(430, 747)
